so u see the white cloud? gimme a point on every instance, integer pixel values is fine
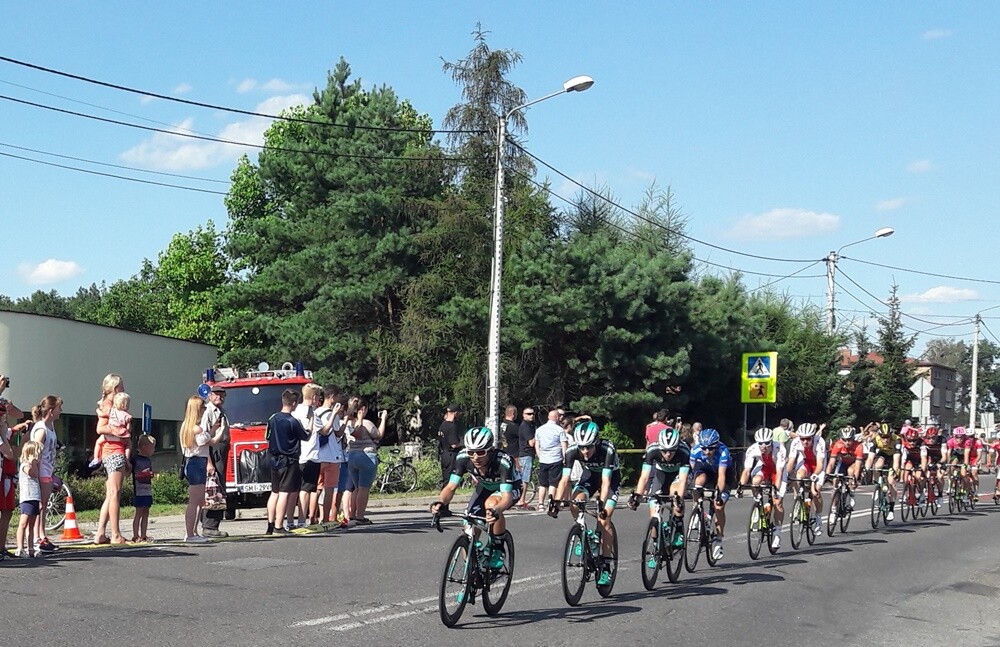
(936, 34)
(919, 166)
(183, 88)
(146, 99)
(784, 223)
(891, 204)
(941, 294)
(273, 85)
(165, 152)
(49, 271)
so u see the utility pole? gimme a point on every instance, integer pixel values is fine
(831, 270)
(975, 375)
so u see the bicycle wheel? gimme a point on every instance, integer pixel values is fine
(797, 527)
(876, 513)
(755, 531)
(952, 490)
(834, 513)
(455, 582)
(531, 487)
(604, 590)
(675, 554)
(575, 570)
(399, 478)
(55, 512)
(934, 497)
(651, 553)
(845, 510)
(708, 534)
(498, 580)
(973, 494)
(904, 502)
(922, 504)
(693, 544)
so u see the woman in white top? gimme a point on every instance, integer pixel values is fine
(44, 433)
(194, 443)
(362, 458)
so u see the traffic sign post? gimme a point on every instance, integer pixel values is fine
(760, 378)
(921, 406)
(147, 418)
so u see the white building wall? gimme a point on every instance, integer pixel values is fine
(44, 355)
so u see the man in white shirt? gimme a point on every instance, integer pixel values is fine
(550, 445)
(309, 464)
(331, 441)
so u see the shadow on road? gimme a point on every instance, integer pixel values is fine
(588, 612)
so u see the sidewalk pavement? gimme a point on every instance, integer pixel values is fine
(253, 521)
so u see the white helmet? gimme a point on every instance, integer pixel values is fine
(763, 435)
(807, 430)
(586, 433)
(479, 438)
(669, 439)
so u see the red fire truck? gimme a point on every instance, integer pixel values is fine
(251, 399)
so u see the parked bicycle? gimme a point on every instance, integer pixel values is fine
(760, 529)
(661, 549)
(841, 504)
(801, 522)
(401, 476)
(582, 559)
(700, 528)
(55, 513)
(472, 568)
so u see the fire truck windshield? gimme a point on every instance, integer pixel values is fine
(253, 405)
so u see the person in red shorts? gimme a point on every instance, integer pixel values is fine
(8, 463)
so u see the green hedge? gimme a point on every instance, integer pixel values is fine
(88, 493)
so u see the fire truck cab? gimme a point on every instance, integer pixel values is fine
(251, 399)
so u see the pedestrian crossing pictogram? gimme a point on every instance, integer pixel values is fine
(759, 368)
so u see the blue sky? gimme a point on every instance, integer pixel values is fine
(785, 130)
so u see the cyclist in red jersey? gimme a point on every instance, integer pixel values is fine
(846, 455)
(914, 455)
(973, 447)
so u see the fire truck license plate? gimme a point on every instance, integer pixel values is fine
(255, 487)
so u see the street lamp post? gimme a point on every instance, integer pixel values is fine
(831, 271)
(576, 84)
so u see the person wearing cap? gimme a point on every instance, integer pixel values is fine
(218, 455)
(450, 443)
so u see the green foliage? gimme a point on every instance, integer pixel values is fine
(168, 487)
(890, 387)
(427, 466)
(88, 493)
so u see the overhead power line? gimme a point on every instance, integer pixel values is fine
(905, 269)
(925, 321)
(112, 175)
(658, 224)
(213, 106)
(181, 133)
(875, 313)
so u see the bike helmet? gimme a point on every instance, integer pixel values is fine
(669, 439)
(884, 429)
(708, 438)
(806, 430)
(479, 438)
(958, 431)
(912, 434)
(847, 433)
(586, 433)
(930, 433)
(763, 435)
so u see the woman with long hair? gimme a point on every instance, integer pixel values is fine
(44, 433)
(195, 442)
(113, 458)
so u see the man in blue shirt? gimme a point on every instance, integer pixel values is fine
(709, 463)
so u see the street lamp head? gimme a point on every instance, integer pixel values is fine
(885, 232)
(578, 84)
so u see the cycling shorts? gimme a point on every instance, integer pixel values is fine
(592, 485)
(663, 481)
(477, 504)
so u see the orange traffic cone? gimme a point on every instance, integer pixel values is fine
(71, 532)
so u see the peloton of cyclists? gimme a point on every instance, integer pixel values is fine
(765, 461)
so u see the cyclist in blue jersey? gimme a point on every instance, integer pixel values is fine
(498, 485)
(666, 463)
(709, 464)
(601, 476)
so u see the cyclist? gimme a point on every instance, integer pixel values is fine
(807, 460)
(601, 476)
(710, 461)
(765, 460)
(846, 457)
(914, 456)
(973, 449)
(667, 463)
(498, 485)
(955, 451)
(934, 443)
(886, 449)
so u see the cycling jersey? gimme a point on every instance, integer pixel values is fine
(886, 445)
(913, 451)
(769, 463)
(974, 445)
(603, 460)
(956, 448)
(847, 451)
(934, 449)
(654, 459)
(499, 474)
(808, 457)
(700, 461)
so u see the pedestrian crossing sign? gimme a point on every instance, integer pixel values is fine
(760, 378)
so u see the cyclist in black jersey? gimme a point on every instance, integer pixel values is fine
(601, 476)
(498, 485)
(665, 470)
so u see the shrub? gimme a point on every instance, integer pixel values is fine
(427, 466)
(88, 493)
(621, 440)
(168, 487)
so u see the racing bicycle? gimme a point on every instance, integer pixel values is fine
(582, 559)
(700, 528)
(760, 529)
(468, 570)
(801, 523)
(658, 546)
(841, 505)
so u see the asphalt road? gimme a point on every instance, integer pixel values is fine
(934, 581)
